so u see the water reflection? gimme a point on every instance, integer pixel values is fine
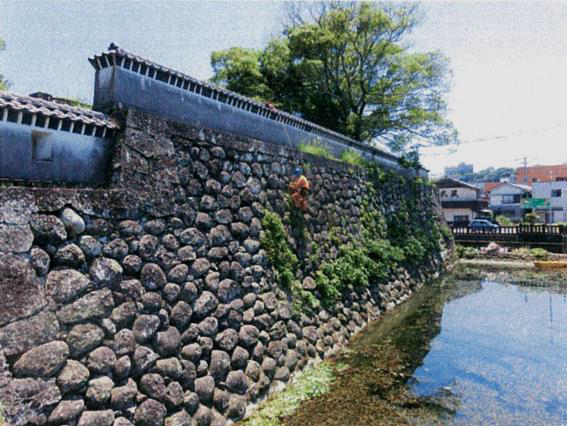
(473, 349)
(503, 351)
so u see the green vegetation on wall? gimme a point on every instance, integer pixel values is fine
(283, 260)
(318, 148)
(352, 157)
(367, 256)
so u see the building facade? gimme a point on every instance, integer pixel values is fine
(556, 195)
(529, 175)
(46, 141)
(506, 199)
(460, 201)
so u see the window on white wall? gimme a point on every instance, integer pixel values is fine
(555, 193)
(42, 146)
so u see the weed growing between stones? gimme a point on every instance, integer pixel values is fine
(352, 157)
(318, 148)
(274, 241)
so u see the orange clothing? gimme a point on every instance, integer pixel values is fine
(299, 190)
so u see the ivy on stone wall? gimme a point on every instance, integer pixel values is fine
(284, 261)
(406, 237)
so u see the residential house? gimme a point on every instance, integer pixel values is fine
(487, 188)
(555, 194)
(460, 201)
(506, 199)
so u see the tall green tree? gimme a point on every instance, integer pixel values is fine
(347, 67)
(4, 84)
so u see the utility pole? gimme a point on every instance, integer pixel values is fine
(525, 170)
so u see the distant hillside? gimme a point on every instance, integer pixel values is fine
(487, 175)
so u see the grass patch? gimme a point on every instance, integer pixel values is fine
(318, 148)
(310, 383)
(527, 253)
(521, 253)
(352, 157)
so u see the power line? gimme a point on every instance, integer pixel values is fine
(516, 133)
(453, 148)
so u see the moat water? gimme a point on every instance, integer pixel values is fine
(501, 354)
(471, 350)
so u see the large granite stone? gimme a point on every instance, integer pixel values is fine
(97, 418)
(65, 284)
(94, 305)
(22, 294)
(83, 338)
(150, 413)
(15, 238)
(42, 361)
(73, 376)
(22, 335)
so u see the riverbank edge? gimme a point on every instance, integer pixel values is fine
(517, 264)
(275, 392)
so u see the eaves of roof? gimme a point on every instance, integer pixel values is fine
(23, 109)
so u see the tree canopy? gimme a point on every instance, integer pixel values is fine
(3, 82)
(490, 174)
(346, 67)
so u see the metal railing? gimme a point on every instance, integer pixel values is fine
(549, 237)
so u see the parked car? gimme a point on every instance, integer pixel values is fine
(483, 225)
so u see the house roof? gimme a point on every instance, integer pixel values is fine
(447, 182)
(116, 56)
(524, 188)
(11, 105)
(489, 186)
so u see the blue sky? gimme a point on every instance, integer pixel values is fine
(508, 59)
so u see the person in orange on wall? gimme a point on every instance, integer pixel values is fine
(299, 188)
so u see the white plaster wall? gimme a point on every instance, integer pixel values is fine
(465, 194)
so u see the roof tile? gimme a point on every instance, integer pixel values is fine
(53, 109)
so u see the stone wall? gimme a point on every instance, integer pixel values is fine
(154, 301)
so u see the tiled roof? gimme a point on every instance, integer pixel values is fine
(447, 182)
(117, 56)
(26, 110)
(489, 186)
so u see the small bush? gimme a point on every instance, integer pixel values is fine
(318, 148)
(527, 253)
(531, 218)
(504, 221)
(521, 252)
(539, 253)
(352, 157)
(466, 252)
(274, 241)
